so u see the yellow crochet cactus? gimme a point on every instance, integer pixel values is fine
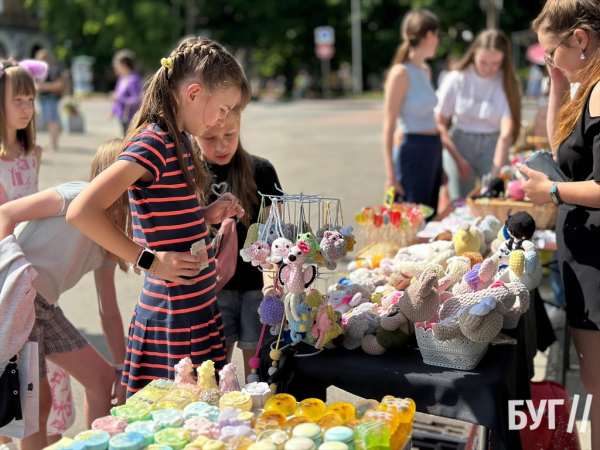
(466, 239)
(516, 262)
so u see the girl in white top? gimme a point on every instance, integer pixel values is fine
(19, 155)
(61, 255)
(481, 100)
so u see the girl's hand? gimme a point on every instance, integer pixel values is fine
(119, 392)
(537, 188)
(464, 169)
(397, 186)
(559, 80)
(172, 266)
(224, 207)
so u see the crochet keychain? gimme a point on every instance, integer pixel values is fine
(281, 245)
(254, 229)
(260, 250)
(333, 246)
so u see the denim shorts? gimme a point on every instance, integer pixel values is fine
(239, 311)
(50, 110)
(478, 149)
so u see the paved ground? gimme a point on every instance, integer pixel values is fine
(328, 148)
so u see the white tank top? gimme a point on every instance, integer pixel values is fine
(18, 176)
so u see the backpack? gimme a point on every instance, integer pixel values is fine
(225, 247)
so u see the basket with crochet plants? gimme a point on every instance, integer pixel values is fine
(503, 194)
(383, 229)
(195, 412)
(455, 295)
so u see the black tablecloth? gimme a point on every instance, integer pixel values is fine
(478, 396)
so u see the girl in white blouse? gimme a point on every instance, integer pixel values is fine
(481, 100)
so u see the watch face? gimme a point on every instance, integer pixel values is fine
(146, 260)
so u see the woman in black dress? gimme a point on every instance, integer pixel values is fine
(569, 32)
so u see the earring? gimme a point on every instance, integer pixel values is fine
(582, 55)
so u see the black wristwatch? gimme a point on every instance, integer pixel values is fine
(554, 195)
(146, 259)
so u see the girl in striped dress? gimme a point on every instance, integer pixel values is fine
(176, 314)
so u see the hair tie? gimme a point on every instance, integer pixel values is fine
(37, 69)
(167, 62)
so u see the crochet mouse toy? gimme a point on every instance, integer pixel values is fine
(294, 278)
(333, 248)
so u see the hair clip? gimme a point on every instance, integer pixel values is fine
(167, 62)
(37, 69)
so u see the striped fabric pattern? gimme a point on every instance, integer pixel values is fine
(171, 321)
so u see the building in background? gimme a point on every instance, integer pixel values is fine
(20, 35)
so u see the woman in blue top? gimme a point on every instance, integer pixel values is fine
(415, 169)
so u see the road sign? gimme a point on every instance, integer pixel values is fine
(324, 51)
(324, 35)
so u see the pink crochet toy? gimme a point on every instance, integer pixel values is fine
(257, 254)
(325, 328)
(294, 278)
(184, 370)
(333, 248)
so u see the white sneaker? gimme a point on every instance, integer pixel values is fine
(556, 315)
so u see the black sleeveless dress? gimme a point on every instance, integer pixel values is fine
(578, 227)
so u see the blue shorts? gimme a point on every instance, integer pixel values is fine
(50, 110)
(239, 313)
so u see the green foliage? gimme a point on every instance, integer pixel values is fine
(276, 36)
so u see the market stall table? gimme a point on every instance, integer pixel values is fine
(479, 396)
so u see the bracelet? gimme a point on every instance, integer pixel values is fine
(153, 266)
(119, 371)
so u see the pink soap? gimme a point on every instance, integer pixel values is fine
(199, 426)
(112, 425)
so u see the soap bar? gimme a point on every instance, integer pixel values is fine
(311, 408)
(169, 418)
(112, 425)
(260, 393)
(63, 443)
(247, 418)
(228, 432)
(177, 438)
(263, 445)
(146, 428)
(158, 447)
(179, 397)
(277, 437)
(151, 392)
(202, 409)
(200, 426)
(133, 412)
(126, 441)
(284, 403)
(210, 396)
(300, 443)
(229, 417)
(289, 426)
(94, 439)
(344, 410)
(236, 399)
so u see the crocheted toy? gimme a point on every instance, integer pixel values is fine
(310, 239)
(252, 236)
(206, 375)
(380, 293)
(479, 277)
(271, 310)
(524, 266)
(474, 258)
(410, 261)
(466, 239)
(421, 299)
(294, 278)
(358, 326)
(257, 254)
(304, 322)
(228, 379)
(333, 248)
(269, 235)
(325, 328)
(279, 250)
(489, 226)
(520, 226)
(184, 371)
(458, 266)
(482, 322)
(507, 293)
(393, 333)
(348, 237)
(314, 299)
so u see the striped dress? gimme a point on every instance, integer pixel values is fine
(171, 321)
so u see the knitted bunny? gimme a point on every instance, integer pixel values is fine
(483, 321)
(294, 278)
(333, 248)
(458, 266)
(507, 293)
(325, 328)
(466, 239)
(489, 226)
(479, 277)
(422, 299)
(279, 250)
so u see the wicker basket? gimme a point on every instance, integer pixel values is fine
(461, 353)
(544, 215)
